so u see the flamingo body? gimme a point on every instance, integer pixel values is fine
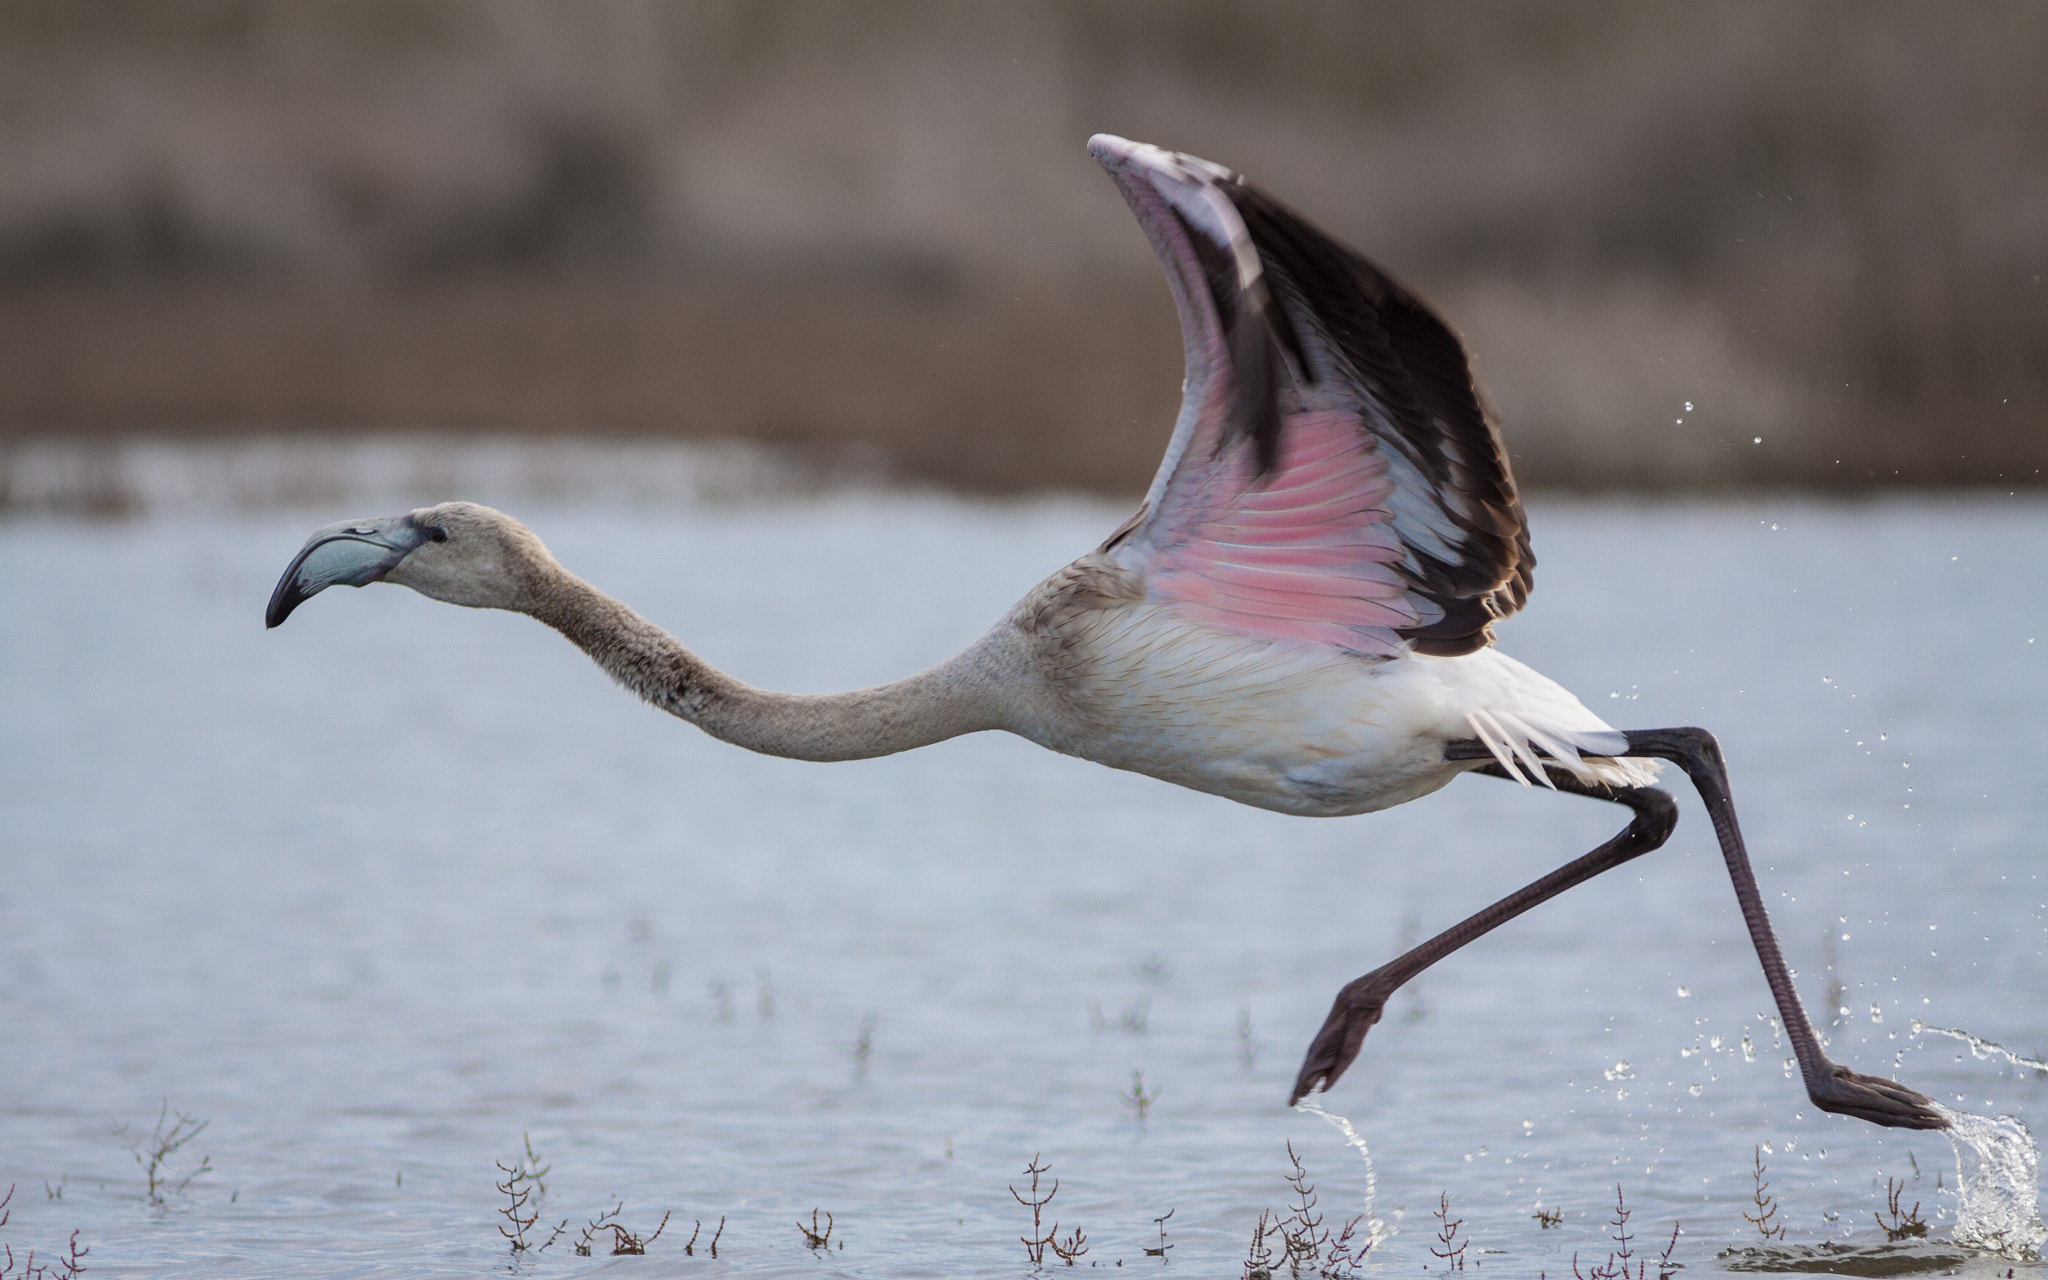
(1294, 726)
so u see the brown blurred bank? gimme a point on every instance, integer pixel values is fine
(1691, 246)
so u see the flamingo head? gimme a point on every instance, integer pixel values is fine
(459, 552)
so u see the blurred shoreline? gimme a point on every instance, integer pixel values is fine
(117, 478)
(1752, 244)
(1617, 391)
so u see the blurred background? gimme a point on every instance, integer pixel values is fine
(1692, 246)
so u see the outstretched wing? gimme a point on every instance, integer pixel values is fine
(1334, 475)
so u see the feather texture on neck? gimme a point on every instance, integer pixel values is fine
(945, 701)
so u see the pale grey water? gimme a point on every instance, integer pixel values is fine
(385, 889)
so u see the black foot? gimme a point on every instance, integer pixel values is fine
(1358, 1006)
(1880, 1101)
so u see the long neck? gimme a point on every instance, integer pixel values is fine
(953, 698)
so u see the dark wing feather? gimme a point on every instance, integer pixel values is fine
(1335, 473)
(1409, 366)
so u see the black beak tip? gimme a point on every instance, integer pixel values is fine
(282, 601)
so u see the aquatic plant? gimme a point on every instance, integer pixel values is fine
(68, 1267)
(1302, 1233)
(1764, 1219)
(1035, 1243)
(1160, 1251)
(1547, 1218)
(154, 1153)
(525, 1188)
(1619, 1259)
(624, 1240)
(1137, 1099)
(1071, 1248)
(1453, 1250)
(863, 1048)
(1904, 1224)
(1134, 1019)
(1258, 1258)
(815, 1239)
(690, 1245)
(1306, 1248)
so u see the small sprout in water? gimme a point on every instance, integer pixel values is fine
(690, 1245)
(1160, 1222)
(863, 1047)
(1765, 1217)
(1902, 1225)
(154, 1152)
(1548, 1218)
(1617, 1265)
(1072, 1247)
(1040, 1237)
(624, 1242)
(814, 1239)
(525, 1188)
(1139, 1100)
(1453, 1250)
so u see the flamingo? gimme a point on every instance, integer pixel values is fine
(1299, 615)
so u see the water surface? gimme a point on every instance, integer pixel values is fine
(388, 890)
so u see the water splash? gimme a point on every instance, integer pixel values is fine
(1998, 1184)
(1980, 1048)
(1376, 1231)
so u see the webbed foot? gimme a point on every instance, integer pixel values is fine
(1873, 1098)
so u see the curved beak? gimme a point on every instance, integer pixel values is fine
(352, 553)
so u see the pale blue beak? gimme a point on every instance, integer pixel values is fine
(352, 553)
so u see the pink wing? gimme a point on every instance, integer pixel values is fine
(1334, 476)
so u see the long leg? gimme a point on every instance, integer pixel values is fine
(1360, 1003)
(1832, 1087)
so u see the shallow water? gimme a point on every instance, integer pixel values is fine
(385, 890)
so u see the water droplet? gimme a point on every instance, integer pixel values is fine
(1695, 1090)
(1684, 992)
(1748, 1050)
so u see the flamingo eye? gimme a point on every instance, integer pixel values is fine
(437, 533)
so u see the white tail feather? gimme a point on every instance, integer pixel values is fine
(1527, 721)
